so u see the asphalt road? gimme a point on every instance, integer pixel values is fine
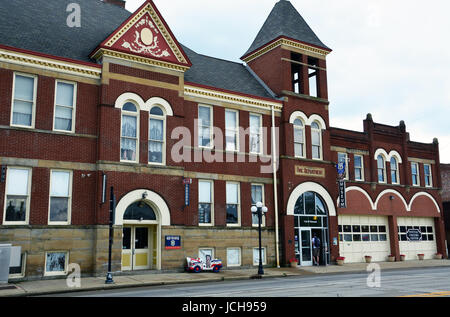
(426, 282)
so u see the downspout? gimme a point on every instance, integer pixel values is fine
(275, 190)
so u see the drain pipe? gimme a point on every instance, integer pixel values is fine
(275, 189)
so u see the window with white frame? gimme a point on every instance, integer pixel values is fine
(156, 136)
(233, 256)
(394, 171)
(358, 163)
(56, 263)
(18, 187)
(24, 100)
(415, 174)
(316, 141)
(256, 256)
(206, 255)
(18, 271)
(299, 138)
(205, 126)
(65, 105)
(381, 168)
(257, 193)
(205, 202)
(428, 175)
(233, 206)
(342, 158)
(231, 130)
(129, 133)
(255, 133)
(60, 197)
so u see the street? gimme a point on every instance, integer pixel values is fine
(421, 282)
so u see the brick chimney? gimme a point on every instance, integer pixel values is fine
(119, 3)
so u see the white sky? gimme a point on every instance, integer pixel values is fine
(390, 58)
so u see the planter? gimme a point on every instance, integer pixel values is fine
(438, 256)
(421, 256)
(391, 258)
(340, 262)
(368, 258)
(402, 257)
(294, 264)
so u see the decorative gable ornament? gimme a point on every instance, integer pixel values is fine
(145, 37)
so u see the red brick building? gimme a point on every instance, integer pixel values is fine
(123, 104)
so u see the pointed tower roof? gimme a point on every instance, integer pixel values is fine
(285, 21)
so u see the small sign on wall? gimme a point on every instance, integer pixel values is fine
(309, 171)
(173, 242)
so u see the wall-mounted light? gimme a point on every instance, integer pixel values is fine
(391, 197)
(144, 195)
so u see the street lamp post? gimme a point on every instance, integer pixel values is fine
(259, 209)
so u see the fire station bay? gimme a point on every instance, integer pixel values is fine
(188, 143)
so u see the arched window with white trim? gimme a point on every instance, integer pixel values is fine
(299, 138)
(394, 171)
(316, 140)
(157, 136)
(129, 137)
(381, 168)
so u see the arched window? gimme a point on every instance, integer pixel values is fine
(156, 136)
(316, 140)
(381, 167)
(139, 211)
(129, 139)
(310, 203)
(394, 171)
(299, 138)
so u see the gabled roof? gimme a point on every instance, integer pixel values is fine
(285, 21)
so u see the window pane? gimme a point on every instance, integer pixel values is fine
(156, 129)
(233, 256)
(256, 194)
(203, 254)
(204, 137)
(204, 192)
(316, 152)
(380, 162)
(320, 206)
(56, 262)
(232, 193)
(139, 211)
(204, 213)
(63, 118)
(230, 119)
(16, 208)
(255, 143)
(231, 140)
(129, 106)
(58, 209)
(126, 244)
(255, 124)
(141, 238)
(60, 184)
(310, 203)
(129, 124)
(298, 122)
(22, 113)
(24, 88)
(64, 94)
(298, 149)
(342, 158)
(256, 255)
(357, 161)
(155, 150)
(157, 111)
(17, 182)
(128, 149)
(315, 136)
(298, 135)
(204, 116)
(232, 214)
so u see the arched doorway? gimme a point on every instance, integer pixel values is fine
(311, 219)
(141, 213)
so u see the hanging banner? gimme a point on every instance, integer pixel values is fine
(341, 184)
(187, 182)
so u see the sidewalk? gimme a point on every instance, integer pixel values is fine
(43, 287)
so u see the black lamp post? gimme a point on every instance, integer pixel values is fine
(112, 207)
(259, 209)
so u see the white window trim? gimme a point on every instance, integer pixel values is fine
(362, 167)
(425, 176)
(23, 265)
(33, 112)
(264, 260)
(396, 170)
(74, 107)
(137, 115)
(319, 130)
(27, 211)
(238, 224)
(236, 130)
(240, 257)
(260, 133)
(65, 265)
(418, 174)
(263, 220)
(302, 128)
(69, 207)
(211, 224)
(384, 170)
(164, 120)
(206, 248)
(211, 127)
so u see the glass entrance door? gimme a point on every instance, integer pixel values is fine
(135, 248)
(305, 243)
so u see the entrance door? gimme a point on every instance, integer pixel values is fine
(135, 249)
(306, 252)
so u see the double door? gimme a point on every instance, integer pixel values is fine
(136, 250)
(304, 248)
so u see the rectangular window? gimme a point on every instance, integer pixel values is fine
(415, 173)
(428, 176)
(205, 204)
(313, 77)
(205, 124)
(24, 100)
(65, 96)
(19, 270)
(231, 130)
(128, 141)
(257, 196)
(359, 168)
(316, 141)
(18, 184)
(233, 208)
(255, 134)
(206, 255)
(60, 197)
(234, 257)
(56, 263)
(156, 141)
(342, 158)
(256, 256)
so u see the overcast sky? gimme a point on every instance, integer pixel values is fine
(390, 58)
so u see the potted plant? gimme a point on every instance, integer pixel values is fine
(340, 260)
(438, 256)
(402, 257)
(368, 258)
(391, 258)
(293, 262)
(421, 256)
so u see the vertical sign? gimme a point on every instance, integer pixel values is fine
(341, 184)
(187, 183)
(104, 188)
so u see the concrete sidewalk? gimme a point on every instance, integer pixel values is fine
(46, 287)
